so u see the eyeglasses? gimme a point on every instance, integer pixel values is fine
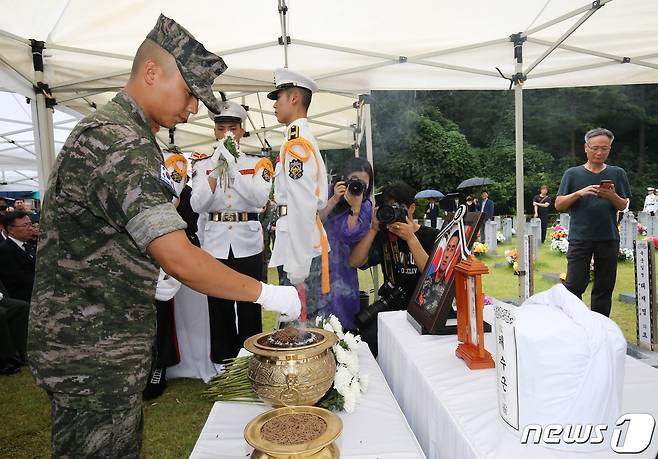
(597, 148)
(24, 225)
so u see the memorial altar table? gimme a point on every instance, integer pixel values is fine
(376, 429)
(453, 411)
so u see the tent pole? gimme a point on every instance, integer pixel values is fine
(42, 118)
(284, 39)
(370, 158)
(518, 79)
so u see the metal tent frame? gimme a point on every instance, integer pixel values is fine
(241, 86)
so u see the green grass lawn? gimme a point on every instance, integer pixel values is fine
(173, 422)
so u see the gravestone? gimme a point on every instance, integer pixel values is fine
(439, 223)
(507, 229)
(564, 220)
(652, 225)
(490, 237)
(643, 218)
(514, 225)
(498, 224)
(535, 230)
(627, 233)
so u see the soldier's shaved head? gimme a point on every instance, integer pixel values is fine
(151, 50)
(158, 87)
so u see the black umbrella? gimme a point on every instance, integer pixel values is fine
(475, 181)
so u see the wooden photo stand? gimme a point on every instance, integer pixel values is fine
(470, 323)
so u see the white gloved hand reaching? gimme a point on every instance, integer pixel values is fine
(282, 299)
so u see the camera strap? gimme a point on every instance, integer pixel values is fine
(391, 257)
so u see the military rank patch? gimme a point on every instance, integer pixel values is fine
(296, 169)
(266, 175)
(166, 179)
(176, 177)
(293, 132)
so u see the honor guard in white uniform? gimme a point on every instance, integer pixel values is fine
(650, 201)
(300, 190)
(232, 232)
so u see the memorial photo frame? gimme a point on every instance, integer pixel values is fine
(430, 306)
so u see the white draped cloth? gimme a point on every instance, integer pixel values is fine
(454, 411)
(376, 430)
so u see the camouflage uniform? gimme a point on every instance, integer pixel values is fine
(92, 321)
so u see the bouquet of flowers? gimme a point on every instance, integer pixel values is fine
(625, 254)
(653, 239)
(348, 383)
(563, 277)
(500, 237)
(641, 229)
(559, 232)
(480, 249)
(222, 169)
(512, 258)
(560, 245)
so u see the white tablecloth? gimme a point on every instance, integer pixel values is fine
(377, 428)
(454, 411)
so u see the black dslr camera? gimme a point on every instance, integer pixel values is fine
(390, 213)
(387, 214)
(355, 186)
(391, 298)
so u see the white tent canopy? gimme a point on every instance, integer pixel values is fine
(350, 48)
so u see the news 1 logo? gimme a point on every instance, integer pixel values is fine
(632, 433)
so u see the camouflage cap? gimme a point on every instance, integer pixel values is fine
(198, 66)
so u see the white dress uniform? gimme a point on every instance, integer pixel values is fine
(650, 201)
(232, 231)
(300, 190)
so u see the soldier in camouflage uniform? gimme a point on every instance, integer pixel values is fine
(108, 224)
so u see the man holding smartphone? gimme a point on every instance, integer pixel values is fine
(593, 193)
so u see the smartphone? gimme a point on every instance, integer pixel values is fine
(607, 184)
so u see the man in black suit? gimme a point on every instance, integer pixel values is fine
(13, 332)
(432, 212)
(16, 262)
(486, 206)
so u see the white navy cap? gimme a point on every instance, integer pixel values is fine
(650, 188)
(228, 111)
(286, 78)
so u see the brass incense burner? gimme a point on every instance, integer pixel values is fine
(299, 374)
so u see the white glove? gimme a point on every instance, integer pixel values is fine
(167, 287)
(222, 152)
(282, 299)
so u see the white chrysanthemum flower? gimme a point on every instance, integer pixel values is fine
(352, 363)
(351, 341)
(335, 323)
(342, 380)
(349, 401)
(318, 320)
(342, 356)
(327, 326)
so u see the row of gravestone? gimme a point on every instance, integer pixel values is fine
(505, 226)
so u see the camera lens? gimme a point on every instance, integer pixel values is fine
(386, 214)
(355, 186)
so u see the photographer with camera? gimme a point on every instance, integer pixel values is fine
(346, 219)
(400, 246)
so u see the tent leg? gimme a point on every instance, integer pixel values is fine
(518, 128)
(42, 119)
(369, 157)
